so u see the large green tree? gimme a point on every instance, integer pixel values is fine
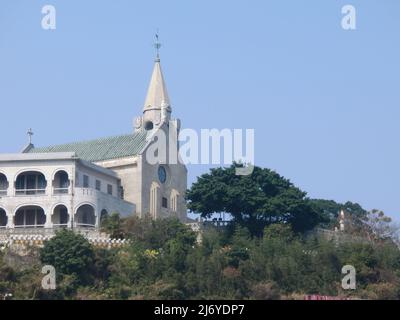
(254, 201)
(70, 254)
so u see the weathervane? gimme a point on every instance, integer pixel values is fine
(157, 46)
(30, 134)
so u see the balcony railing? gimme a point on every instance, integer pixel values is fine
(61, 190)
(5, 233)
(60, 225)
(29, 192)
(85, 225)
(56, 191)
(33, 226)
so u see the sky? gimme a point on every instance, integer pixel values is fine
(324, 101)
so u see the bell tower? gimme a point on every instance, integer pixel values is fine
(157, 108)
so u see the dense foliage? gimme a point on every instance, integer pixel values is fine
(163, 261)
(254, 201)
(70, 254)
(266, 252)
(330, 210)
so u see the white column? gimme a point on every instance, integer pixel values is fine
(11, 188)
(10, 221)
(97, 216)
(48, 214)
(49, 186)
(70, 216)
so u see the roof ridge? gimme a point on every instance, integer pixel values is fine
(88, 140)
(112, 147)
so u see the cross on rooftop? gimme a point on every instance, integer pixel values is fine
(30, 134)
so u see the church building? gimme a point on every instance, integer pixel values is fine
(75, 185)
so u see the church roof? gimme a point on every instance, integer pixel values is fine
(157, 94)
(101, 149)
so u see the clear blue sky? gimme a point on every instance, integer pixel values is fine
(325, 103)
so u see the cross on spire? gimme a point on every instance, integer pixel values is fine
(30, 134)
(157, 46)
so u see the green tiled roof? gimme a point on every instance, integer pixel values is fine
(101, 149)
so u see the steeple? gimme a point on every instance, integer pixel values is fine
(157, 94)
(157, 107)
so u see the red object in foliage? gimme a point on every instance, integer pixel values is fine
(323, 298)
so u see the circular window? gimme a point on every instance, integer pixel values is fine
(162, 174)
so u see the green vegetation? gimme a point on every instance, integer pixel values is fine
(69, 254)
(255, 201)
(268, 252)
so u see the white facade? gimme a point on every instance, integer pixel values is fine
(56, 190)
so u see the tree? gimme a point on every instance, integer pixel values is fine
(376, 226)
(255, 201)
(70, 254)
(113, 226)
(330, 210)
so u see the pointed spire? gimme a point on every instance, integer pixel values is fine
(157, 107)
(157, 94)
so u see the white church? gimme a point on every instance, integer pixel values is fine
(75, 185)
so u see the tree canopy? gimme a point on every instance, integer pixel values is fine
(70, 254)
(254, 201)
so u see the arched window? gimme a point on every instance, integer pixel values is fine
(61, 182)
(85, 216)
(30, 183)
(3, 218)
(174, 200)
(149, 126)
(30, 217)
(60, 217)
(154, 202)
(3, 185)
